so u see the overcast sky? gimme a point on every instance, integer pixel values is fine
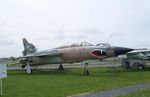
(52, 23)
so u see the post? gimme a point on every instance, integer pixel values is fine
(1, 87)
(3, 74)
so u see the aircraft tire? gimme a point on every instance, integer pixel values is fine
(140, 66)
(86, 73)
(31, 71)
(23, 66)
(127, 65)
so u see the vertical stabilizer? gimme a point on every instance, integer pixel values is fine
(28, 47)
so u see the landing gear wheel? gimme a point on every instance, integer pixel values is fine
(86, 72)
(31, 71)
(23, 66)
(127, 65)
(141, 67)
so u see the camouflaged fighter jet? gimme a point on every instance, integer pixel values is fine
(140, 54)
(68, 54)
(136, 58)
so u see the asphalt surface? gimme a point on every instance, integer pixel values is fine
(117, 91)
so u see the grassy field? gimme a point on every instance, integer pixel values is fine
(143, 93)
(53, 83)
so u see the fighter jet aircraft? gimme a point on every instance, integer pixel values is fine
(68, 54)
(141, 54)
(136, 58)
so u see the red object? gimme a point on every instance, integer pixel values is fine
(99, 53)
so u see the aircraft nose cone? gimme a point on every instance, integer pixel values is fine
(122, 50)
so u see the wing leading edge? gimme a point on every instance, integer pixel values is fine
(44, 54)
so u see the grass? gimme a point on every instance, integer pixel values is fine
(143, 93)
(53, 83)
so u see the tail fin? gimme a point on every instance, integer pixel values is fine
(28, 47)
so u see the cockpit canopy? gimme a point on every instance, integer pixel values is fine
(77, 45)
(103, 44)
(84, 43)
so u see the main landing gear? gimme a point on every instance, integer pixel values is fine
(86, 71)
(29, 68)
(61, 68)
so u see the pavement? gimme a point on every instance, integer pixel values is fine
(116, 91)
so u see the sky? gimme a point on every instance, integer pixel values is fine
(51, 23)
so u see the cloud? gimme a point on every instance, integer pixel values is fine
(60, 37)
(6, 43)
(2, 23)
(42, 38)
(2, 36)
(59, 34)
(78, 37)
(89, 31)
(49, 24)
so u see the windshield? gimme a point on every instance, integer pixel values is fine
(84, 43)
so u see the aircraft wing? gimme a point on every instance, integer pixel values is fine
(44, 54)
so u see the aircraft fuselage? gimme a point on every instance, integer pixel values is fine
(74, 54)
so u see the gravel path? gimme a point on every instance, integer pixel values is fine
(117, 91)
